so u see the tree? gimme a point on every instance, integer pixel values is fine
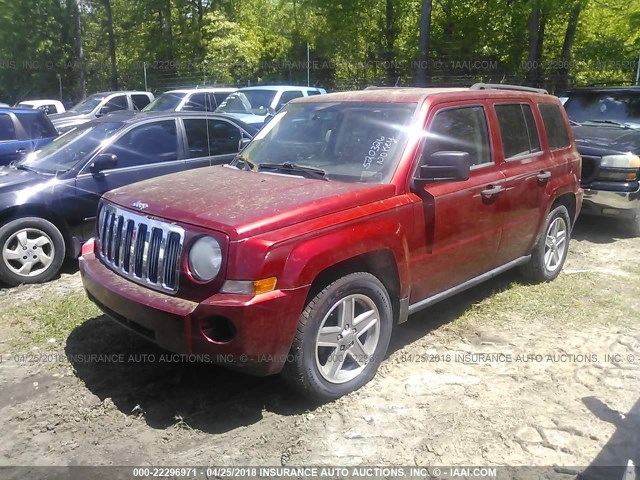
(424, 42)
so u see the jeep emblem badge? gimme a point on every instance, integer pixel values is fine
(140, 206)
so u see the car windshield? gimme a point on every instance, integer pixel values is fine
(168, 101)
(254, 102)
(88, 104)
(66, 151)
(344, 141)
(604, 106)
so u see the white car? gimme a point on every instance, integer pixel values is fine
(253, 104)
(190, 100)
(49, 106)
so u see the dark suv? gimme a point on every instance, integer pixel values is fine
(48, 201)
(23, 130)
(345, 214)
(606, 122)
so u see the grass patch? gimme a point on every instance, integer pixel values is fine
(571, 301)
(49, 317)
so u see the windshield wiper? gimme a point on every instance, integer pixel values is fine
(609, 122)
(311, 172)
(574, 123)
(240, 158)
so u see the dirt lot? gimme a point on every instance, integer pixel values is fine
(543, 392)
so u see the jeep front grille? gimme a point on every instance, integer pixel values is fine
(146, 251)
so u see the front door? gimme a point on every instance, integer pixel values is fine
(462, 219)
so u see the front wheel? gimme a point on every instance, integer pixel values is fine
(31, 251)
(343, 334)
(550, 253)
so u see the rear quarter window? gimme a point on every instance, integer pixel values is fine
(7, 130)
(37, 126)
(554, 125)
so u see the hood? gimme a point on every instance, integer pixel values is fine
(606, 139)
(67, 119)
(12, 179)
(253, 120)
(241, 203)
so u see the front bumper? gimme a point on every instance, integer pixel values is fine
(264, 324)
(608, 203)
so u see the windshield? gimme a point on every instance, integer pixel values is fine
(88, 104)
(619, 107)
(166, 102)
(66, 151)
(254, 102)
(349, 141)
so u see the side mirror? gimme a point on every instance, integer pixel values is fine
(243, 143)
(104, 110)
(103, 161)
(446, 166)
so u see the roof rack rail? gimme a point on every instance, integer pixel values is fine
(500, 86)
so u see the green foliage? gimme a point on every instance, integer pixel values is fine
(352, 43)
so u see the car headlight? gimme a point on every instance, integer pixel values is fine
(620, 161)
(205, 259)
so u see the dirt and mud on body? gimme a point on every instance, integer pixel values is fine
(505, 374)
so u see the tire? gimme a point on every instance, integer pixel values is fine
(355, 356)
(633, 224)
(32, 250)
(550, 253)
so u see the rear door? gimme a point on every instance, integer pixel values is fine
(145, 151)
(463, 219)
(527, 168)
(210, 141)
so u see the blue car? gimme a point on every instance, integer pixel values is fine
(23, 131)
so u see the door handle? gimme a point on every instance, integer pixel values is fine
(490, 190)
(21, 151)
(544, 175)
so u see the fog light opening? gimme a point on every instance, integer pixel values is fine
(219, 329)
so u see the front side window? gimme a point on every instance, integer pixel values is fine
(196, 103)
(461, 129)
(166, 102)
(255, 102)
(117, 103)
(286, 97)
(140, 101)
(348, 141)
(555, 126)
(518, 130)
(88, 105)
(146, 144)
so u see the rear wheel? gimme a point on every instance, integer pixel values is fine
(550, 253)
(31, 251)
(342, 336)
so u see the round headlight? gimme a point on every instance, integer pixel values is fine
(205, 259)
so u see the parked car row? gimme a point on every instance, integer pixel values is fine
(298, 251)
(346, 213)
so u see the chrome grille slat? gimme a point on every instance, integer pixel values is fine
(142, 249)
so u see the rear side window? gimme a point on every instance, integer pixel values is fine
(7, 130)
(518, 130)
(196, 103)
(140, 101)
(311, 93)
(554, 125)
(37, 126)
(461, 129)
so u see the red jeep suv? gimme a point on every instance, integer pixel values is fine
(344, 215)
